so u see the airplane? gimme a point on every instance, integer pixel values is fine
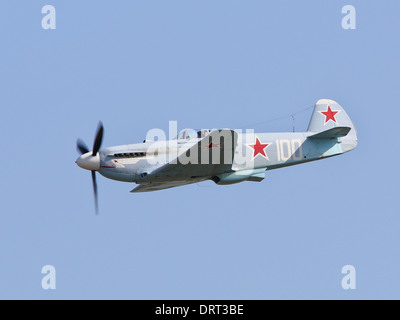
(223, 156)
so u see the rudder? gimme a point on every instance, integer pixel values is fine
(328, 114)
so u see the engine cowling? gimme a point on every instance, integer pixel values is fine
(239, 176)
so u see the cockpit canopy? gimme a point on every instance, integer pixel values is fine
(189, 134)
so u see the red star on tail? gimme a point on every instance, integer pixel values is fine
(330, 115)
(259, 148)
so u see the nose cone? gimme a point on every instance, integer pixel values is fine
(89, 162)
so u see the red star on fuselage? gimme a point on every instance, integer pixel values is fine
(259, 148)
(213, 145)
(329, 115)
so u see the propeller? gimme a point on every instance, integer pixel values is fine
(91, 160)
(82, 147)
(98, 140)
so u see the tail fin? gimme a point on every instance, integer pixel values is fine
(327, 115)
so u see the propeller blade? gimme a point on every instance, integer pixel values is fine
(99, 139)
(81, 147)
(96, 201)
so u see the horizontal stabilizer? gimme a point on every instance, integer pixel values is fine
(333, 133)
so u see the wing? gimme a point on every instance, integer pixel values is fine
(210, 156)
(148, 187)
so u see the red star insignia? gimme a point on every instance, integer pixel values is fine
(329, 114)
(213, 145)
(259, 148)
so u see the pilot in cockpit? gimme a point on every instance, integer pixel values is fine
(189, 134)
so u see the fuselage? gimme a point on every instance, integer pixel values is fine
(224, 156)
(254, 151)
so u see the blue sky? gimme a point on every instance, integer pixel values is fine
(136, 65)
